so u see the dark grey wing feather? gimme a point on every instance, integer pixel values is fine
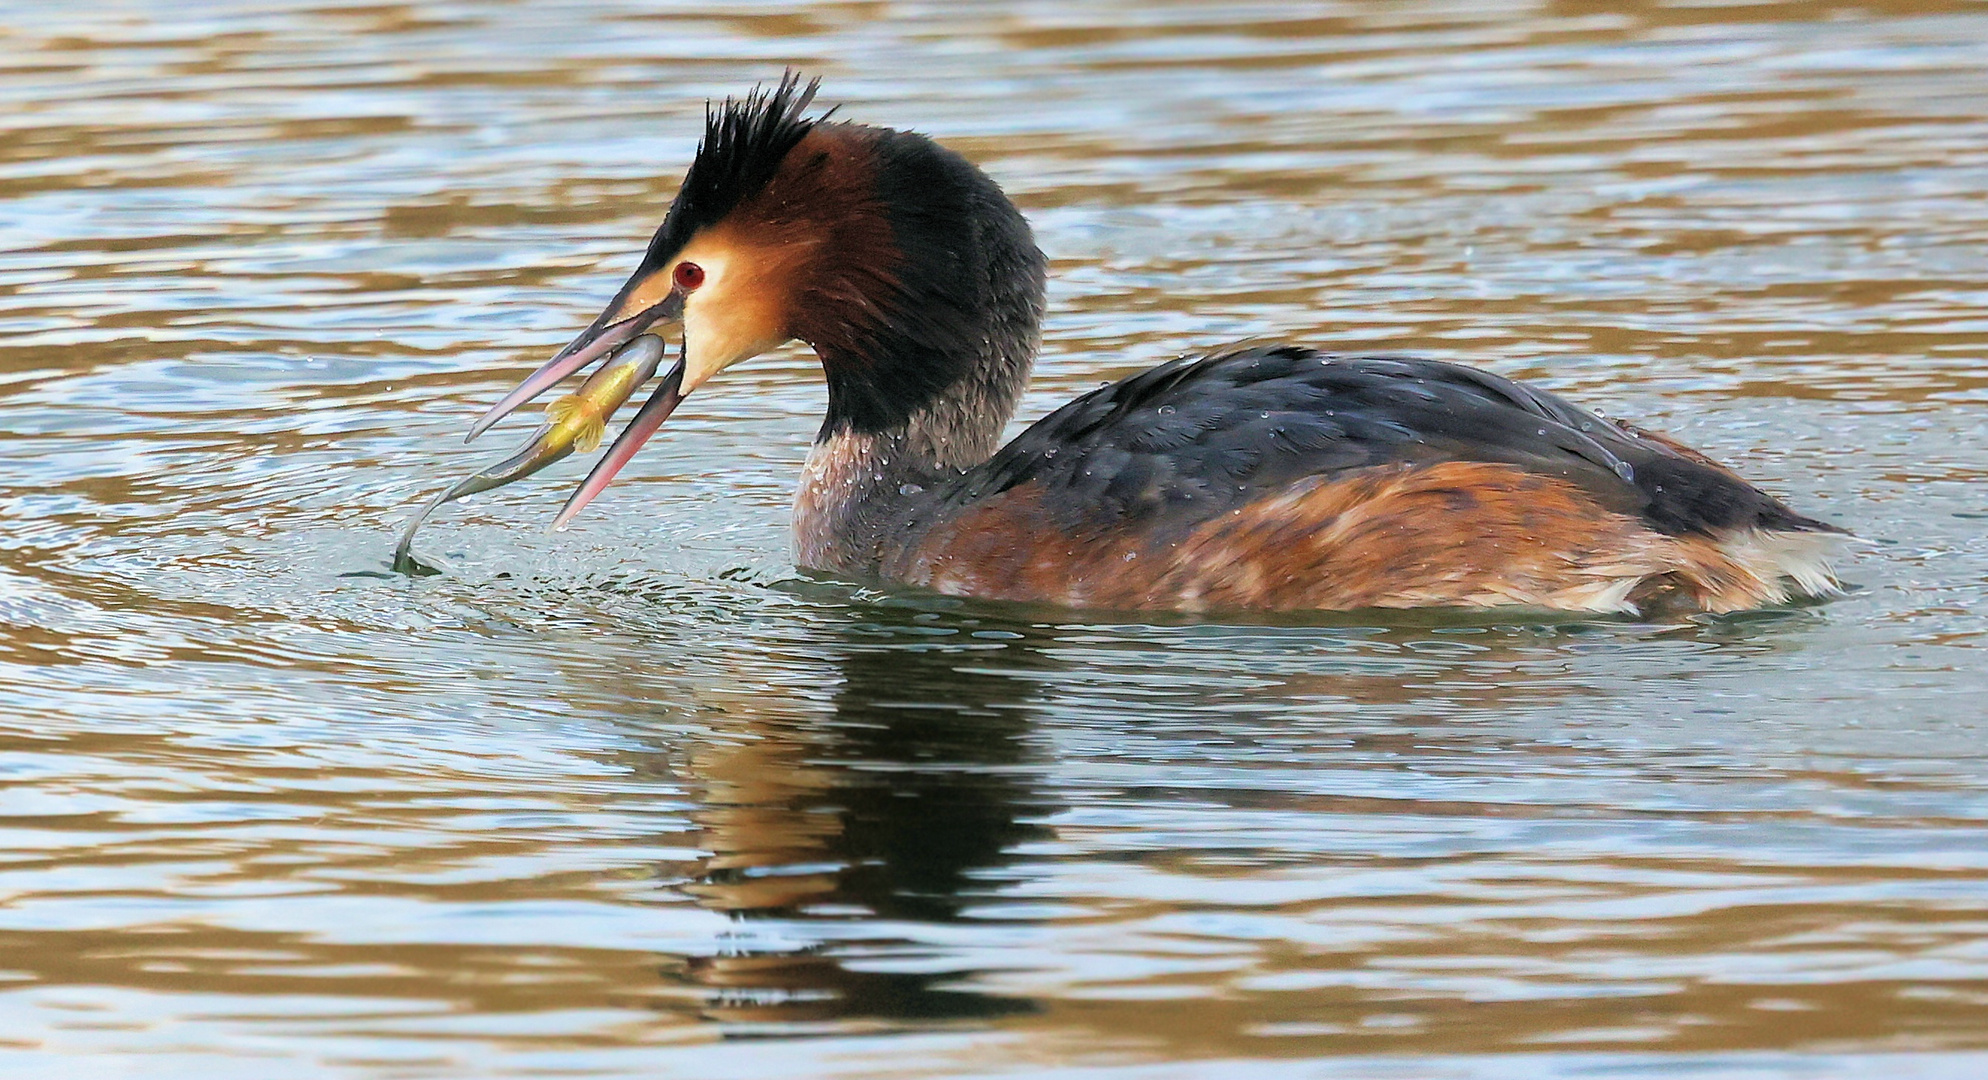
(1187, 440)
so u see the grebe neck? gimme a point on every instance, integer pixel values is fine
(926, 327)
(862, 488)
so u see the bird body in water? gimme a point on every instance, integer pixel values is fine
(1262, 477)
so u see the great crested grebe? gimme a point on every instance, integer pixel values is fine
(1267, 477)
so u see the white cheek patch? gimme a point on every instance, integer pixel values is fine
(725, 325)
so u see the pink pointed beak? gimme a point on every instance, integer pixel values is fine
(593, 343)
(651, 416)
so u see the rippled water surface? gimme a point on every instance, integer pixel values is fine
(637, 800)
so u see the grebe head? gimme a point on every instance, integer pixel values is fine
(907, 270)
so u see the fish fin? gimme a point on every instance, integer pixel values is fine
(562, 409)
(590, 428)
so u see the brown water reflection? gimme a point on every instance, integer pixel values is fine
(634, 801)
(838, 820)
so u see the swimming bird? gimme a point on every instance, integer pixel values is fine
(1257, 477)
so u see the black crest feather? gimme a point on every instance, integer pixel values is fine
(744, 143)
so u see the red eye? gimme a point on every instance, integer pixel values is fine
(689, 275)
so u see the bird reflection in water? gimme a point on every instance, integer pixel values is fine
(904, 806)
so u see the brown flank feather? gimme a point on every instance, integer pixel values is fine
(1461, 534)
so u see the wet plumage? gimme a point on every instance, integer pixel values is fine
(1192, 438)
(1129, 478)
(1260, 477)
